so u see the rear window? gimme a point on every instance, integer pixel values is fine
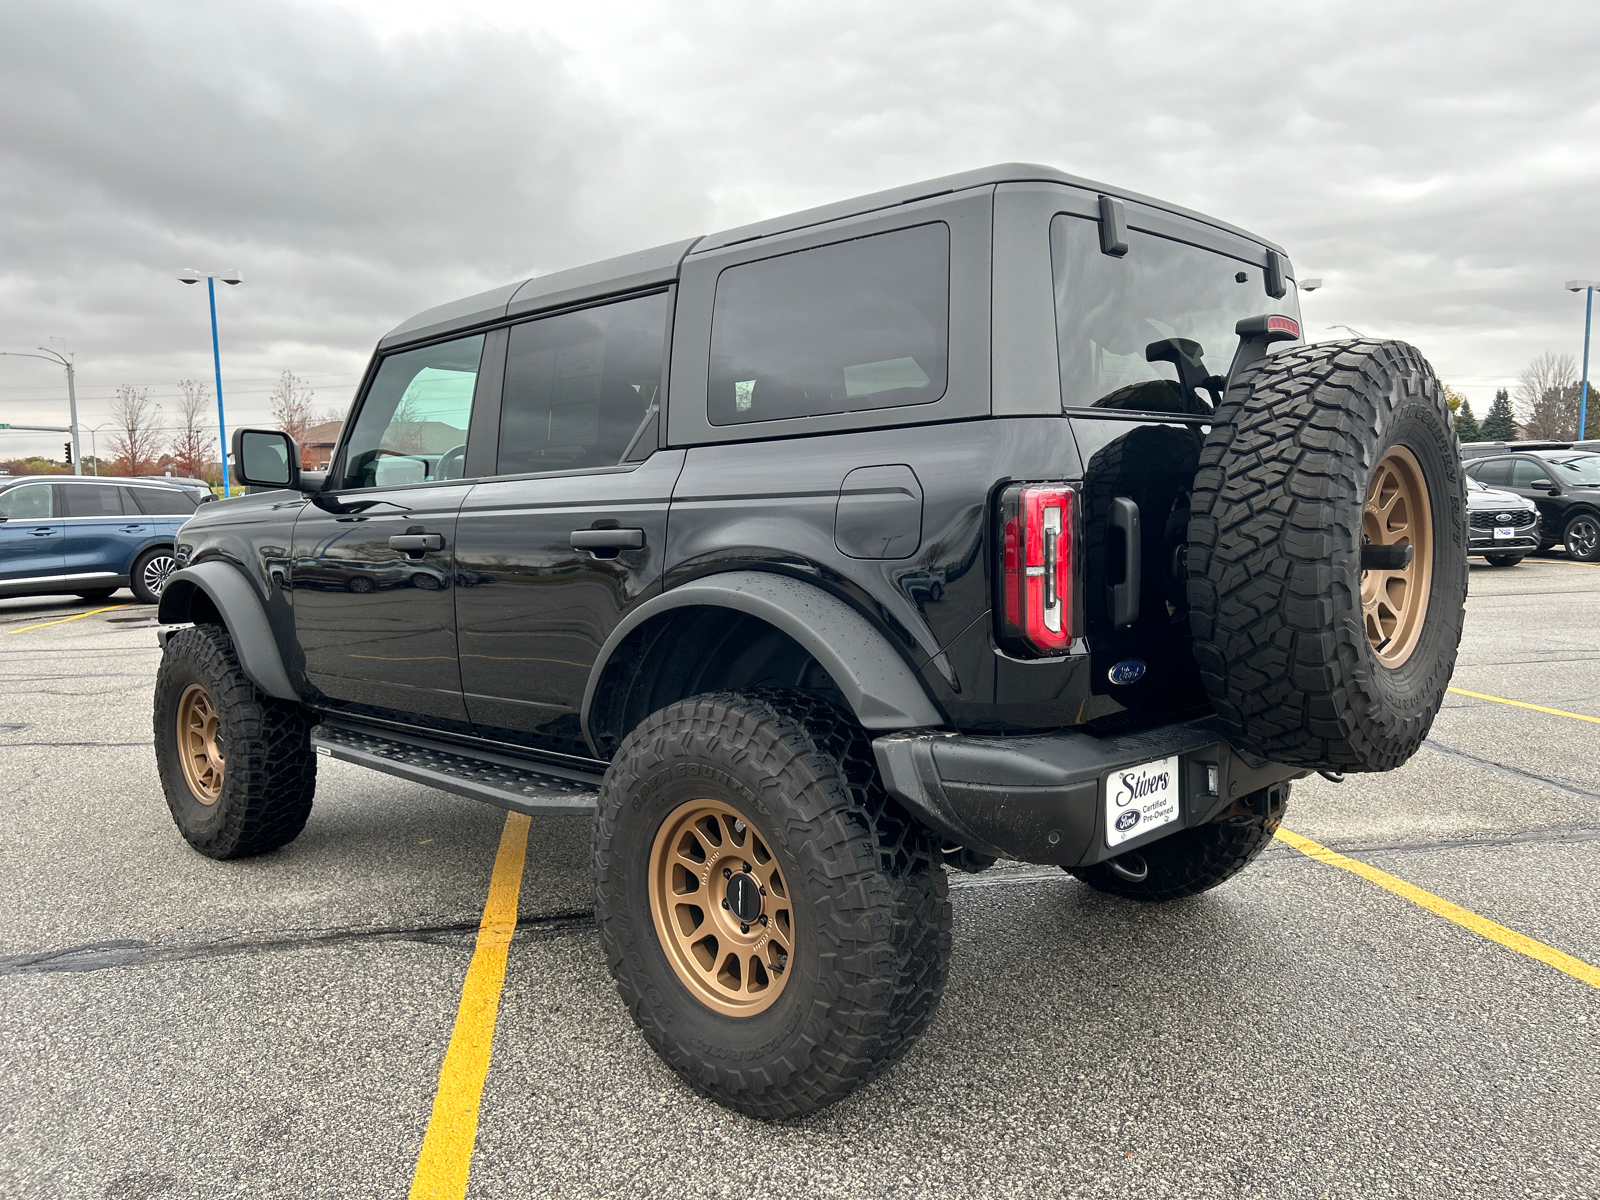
(92, 500)
(850, 327)
(1496, 472)
(159, 502)
(1162, 296)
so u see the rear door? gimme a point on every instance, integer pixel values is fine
(372, 569)
(100, 535)
(568, 535)
(31, 535)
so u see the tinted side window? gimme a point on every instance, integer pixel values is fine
(1495, 473)
(30, 501)
(92, 500)
(580, 384)
(850, 327)
(1526, 473)
(413, 425)
(158, 502)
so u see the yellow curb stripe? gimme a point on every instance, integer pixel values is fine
(446, 1155)
(64, 620)
(1555, 712)
(1467, 919)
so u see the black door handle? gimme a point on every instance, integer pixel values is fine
(1125, 595)
(416, 543)
(607, 539)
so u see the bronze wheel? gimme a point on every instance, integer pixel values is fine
(721, 908)
(1397, 513)
(198, 748)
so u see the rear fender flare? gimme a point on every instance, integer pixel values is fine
(879, 685)
(236, 600)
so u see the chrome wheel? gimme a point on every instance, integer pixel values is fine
(158, 568)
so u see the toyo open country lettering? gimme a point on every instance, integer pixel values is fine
(1001, 515)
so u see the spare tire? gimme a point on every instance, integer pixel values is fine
(1316, 452)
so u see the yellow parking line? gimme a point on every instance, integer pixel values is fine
(64, 620)
(1557, 712)
(1467, 919)
(447, 1146)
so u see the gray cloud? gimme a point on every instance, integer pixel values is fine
(1433, 162)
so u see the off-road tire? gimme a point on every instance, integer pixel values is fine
(148, 590)
(1275, 556)
(1503, 560)
(871, 901)
(1195, 860)
(1581, 537)
(95, 594)
(270, 770)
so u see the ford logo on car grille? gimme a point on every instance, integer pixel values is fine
(1504, 518)
(1129, 670)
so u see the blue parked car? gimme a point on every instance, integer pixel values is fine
(65, 534)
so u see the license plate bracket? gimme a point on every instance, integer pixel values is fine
(1142, 797)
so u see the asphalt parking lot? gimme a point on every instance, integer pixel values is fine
(179, 1027)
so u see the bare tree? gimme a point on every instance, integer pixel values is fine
(291, 406)
(1547, 397)
(191, 445)
(136, 444)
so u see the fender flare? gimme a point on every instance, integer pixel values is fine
(880, 687)
(229, 589)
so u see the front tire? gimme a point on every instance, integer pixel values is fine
(1582, 537)
(236, 766)
(707, 803)
(1194, 860)
(1503, 560)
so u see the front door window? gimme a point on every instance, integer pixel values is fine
(413, 426)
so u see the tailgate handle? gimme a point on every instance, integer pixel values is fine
(607, 539)
(1125, 595)
(417, 543)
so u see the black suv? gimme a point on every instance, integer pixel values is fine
(966, 520)
(1563, 484)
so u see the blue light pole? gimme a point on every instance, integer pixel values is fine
(1584, 285)
(190, 275)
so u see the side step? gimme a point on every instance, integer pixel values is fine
(495, 779)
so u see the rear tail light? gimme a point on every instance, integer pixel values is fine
(1035, 609)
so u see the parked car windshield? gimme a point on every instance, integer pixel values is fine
(1110, 310)
(1580, 471)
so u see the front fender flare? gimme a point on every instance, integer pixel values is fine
(243, 614)
(880, 687)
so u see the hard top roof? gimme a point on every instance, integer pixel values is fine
(659, 265)
(142, 480)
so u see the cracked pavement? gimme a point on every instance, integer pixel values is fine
(177, 1027)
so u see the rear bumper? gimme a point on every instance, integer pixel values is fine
(1041, 798)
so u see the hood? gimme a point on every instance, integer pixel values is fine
(1496, 499)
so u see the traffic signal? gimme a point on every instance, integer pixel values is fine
(68, 458)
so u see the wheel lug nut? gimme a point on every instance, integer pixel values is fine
(763, 918)
(743, 928)
(724, 904)
(726, 873)
(747, 868)
(763, 891)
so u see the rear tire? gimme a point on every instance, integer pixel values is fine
(96, 594)
(773, 1032)
(1503, 560)
(1307, 658)
(1195, 860)
(236, 765)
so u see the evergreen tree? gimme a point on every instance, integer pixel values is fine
(1499, 425)
(1467, 424)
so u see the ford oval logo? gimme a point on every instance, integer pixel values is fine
(1127, 820)
(1129, 670)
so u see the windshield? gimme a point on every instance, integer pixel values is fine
(1579, 471)
(1474, 486)
(1163, 299)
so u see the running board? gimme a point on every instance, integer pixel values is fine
(493, 779)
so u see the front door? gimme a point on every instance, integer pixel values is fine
(570, 537)
(373, 567)
(31, 534)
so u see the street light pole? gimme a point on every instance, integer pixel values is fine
(189, 275)
(1584, 285)
(65, 360)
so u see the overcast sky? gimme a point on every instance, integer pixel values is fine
(358, 161)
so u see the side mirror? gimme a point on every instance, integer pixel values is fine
(265, 458)
(1543, 485)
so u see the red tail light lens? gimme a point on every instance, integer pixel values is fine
(1035, 576)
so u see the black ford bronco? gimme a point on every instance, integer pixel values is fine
(1003, 515)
